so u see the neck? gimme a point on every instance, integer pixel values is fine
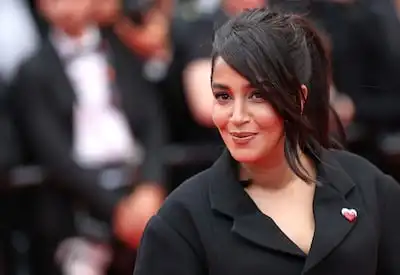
(74, 33)
(275, 174)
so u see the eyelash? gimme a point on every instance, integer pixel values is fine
(220, 95)
(258, 93)
(223, 96)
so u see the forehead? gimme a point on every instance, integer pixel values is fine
(223, 73)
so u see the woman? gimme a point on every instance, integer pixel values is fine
(280, 200)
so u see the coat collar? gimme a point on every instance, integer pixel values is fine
(227, 196)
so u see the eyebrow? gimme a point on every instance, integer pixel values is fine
(226, 87)
(219, 86)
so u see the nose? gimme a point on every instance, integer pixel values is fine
(239, 114)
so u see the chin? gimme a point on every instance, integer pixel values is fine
(245, 155)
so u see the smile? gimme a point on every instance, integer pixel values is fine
(242, 138)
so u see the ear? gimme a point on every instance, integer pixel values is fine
(303, 96)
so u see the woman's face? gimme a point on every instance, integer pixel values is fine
(249, 126)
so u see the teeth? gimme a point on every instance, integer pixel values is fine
(242, 136)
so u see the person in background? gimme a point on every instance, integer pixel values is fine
(97, 130)
(157, 40)
(283, 198)
(106, 12)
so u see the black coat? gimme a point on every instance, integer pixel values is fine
(209, 225)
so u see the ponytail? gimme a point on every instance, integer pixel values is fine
(328, 129)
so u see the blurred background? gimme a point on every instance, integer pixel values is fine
(105, 108)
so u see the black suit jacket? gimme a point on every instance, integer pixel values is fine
(9, 146)
(209, 225)
(44, 105)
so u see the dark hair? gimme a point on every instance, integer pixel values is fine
(277, 53)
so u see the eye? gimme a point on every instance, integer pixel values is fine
(222, 96)
(257, 95)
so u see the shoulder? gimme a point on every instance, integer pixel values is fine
(172, 242)
(186, 209)
(189, 202)
(190, 195)
(354, 165)
(32, 66)
(27, 76)
(364, 174)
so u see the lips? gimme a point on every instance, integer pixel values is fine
(242, 138)
(242, 134)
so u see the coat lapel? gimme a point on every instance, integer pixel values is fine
(330, 198)
(262, 231)
(61, 86)
(229, 198)
(126, 70)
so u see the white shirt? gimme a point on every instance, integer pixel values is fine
(101, 131)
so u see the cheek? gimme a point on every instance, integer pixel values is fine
(220, 116)
(266, 117)
(104, 7)
(263, 115)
